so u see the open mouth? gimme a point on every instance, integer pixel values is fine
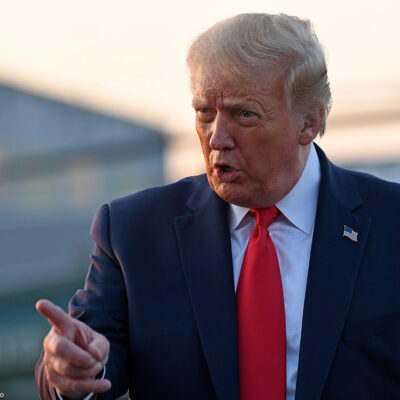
(226, 168)
(225, 173)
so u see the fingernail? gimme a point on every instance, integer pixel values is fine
(98, 366)
(92, 361)
(107, 384)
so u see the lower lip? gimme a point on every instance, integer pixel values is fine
(226, 176)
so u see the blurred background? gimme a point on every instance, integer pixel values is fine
(95, 104)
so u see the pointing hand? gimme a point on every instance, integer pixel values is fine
(73, 354)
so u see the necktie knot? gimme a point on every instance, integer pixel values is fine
(265, 216)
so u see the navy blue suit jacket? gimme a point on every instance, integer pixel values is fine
(161, 289)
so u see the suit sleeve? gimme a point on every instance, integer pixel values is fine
(102, 305)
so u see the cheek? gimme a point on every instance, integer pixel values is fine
(255, 151)
(203, 137)
(261, 158)
(200, 132)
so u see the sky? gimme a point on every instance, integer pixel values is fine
(128, 57)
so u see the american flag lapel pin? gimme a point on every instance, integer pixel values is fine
(350, 233)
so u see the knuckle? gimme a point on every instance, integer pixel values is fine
(47, 340)
(48, 362)
(51, 377)
(51, 341)
(61, 367)
(48, 374)
(48, 366)
(66, 369)
(59, 346)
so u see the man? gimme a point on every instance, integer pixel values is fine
(274, 277)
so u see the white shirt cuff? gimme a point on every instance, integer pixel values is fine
(89, 396)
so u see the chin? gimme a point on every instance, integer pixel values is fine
(232, 195)
(232, 192)
(241, 197)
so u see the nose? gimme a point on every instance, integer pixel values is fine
(221, 139)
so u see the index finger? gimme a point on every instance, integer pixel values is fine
(55, 315)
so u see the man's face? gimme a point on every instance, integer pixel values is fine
(254, 148)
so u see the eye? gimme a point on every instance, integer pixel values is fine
(246, 117)
(205, 114)
(247, 114)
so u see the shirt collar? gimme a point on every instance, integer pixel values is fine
(304, 193)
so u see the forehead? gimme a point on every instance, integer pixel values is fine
(266, 84)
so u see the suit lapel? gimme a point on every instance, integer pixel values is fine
(204, 245)
(334, 265)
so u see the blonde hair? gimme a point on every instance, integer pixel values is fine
(238, 50)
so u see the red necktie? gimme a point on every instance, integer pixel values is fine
(261, 316)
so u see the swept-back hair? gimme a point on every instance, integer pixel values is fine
(239, 50)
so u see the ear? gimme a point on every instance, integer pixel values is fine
(312, 122)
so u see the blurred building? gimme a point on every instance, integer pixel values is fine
(366, 139)
(58, 163)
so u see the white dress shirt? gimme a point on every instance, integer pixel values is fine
(291, 234)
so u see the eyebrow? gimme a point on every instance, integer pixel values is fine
(231, 103)
(199, 102)
(241, 103)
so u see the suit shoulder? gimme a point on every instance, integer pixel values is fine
(370, 184)
(380, 198)
(173, 195)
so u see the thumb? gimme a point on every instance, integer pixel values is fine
(82, 336)
(99, 348)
